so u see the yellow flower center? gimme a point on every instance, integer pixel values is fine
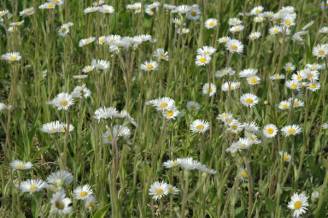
(63, 103)
(12, 58)
(159, 191)
(193, 13)
(249, 101)
(288, 22)
(321, 53)
(312, 86)
(169, 113)
(298, 204)
(83, 194)
(149, 67)
(20, 166)
(291, 131)
(202, 60)
(200, 127)
(234, 47)
(51, 5)
(244, 174)
(252, 80)
(285, 157)
(59, 205)
(293, 86)
(163, 105)
(33, 188)
(211, 24)
(270, 130)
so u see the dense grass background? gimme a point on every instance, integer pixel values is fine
(155, 140)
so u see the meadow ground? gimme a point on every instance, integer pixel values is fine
(180, 108)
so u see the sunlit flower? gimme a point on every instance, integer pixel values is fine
(270, 130)
(56, 127)
(285, 156)
(20, 165)
(11, 57)
(82, 192)
(199, 126)
(291, 130)
(234, 46)
(32, 185)
(249, 99)
(60, 204)
(298, 204)
(211, 23)
(149, 66)
(202, 60)
(62, 101)
(158, 190)
(209, 89)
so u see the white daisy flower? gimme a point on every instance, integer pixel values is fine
(202, 60)
(293, 84)
(236, 29)
(158, 190)
(170, 164)
(211, 23)
(115, 132)
(285, 156)
(11, 57)
(58, 179)
(171, 113)
(234, 46)
(82, 192)
(32, 185)
(161, 54)
(199, 126)
(298, 204)
(253, 80)
(90, 203)
(105, 113)
(275, 30)
(291, 130)
(162, 104)
(20, 165)
(55, 127)
(234, 21)
(249, 100)
(209, 89)
(64, 29)
(257, 10)
(320, 51)
(60, 204)
(254, 35)
(284, 105)
(270, 130)
(106, 9)
(27, 12)
(230, 86)
(100, 64)
(81, 92)
(86, 41)
(62, 101)
(149, 66)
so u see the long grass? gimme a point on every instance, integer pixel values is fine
(121, 173)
